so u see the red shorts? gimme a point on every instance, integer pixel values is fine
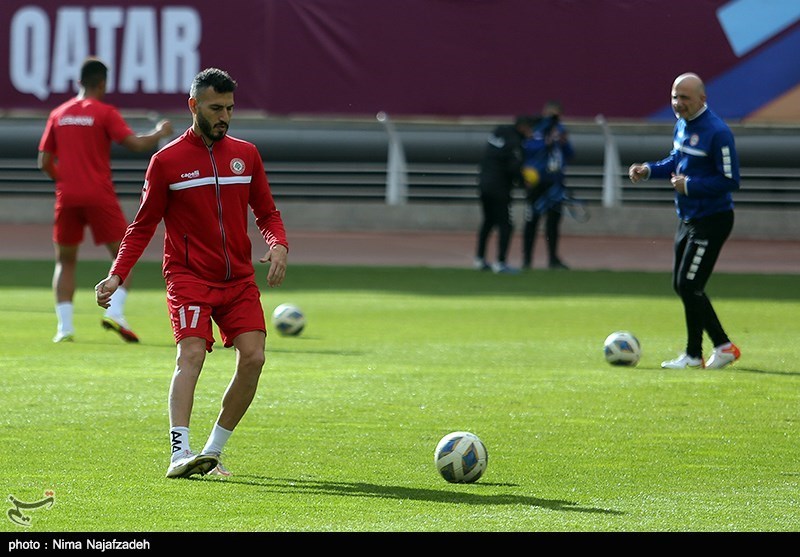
(107, 223)
(235, 308)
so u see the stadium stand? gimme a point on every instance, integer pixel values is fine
(339, 163)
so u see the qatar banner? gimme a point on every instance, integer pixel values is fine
(412, 58)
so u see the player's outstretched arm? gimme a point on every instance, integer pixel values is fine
(139, 143)
(104, 289)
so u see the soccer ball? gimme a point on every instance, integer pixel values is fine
(621, 348)
(288, 319)
(461, 457)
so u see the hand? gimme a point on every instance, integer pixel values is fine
(277, 256)
(638, 172)
(679, 183)
(105, 288)
(164, 128)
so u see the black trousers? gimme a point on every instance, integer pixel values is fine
(496, 211)
(552, 230)
(698, 244)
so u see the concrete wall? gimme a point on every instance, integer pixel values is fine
(643, 221)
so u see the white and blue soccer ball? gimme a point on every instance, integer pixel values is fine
(622, 348)
(461, 457)
(288, 320)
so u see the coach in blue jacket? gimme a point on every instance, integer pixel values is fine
(703, 168)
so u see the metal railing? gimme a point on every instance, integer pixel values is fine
(427, 182)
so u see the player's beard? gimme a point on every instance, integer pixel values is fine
(211, 132)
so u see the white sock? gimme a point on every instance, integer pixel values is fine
(179, 440)
(216, 441)
(64, 314)
(117, 307)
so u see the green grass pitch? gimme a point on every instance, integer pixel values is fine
(340, 437)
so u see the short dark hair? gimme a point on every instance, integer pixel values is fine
(212, 77)
(93, 73)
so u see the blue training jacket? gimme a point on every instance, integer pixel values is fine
(705, 152)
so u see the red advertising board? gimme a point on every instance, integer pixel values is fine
(451, 58)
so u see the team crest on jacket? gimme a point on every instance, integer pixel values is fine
(237, 166)
(694, 140)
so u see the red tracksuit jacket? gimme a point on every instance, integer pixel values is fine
(203, 194)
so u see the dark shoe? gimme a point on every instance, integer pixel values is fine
(119, 326)
(558, 264)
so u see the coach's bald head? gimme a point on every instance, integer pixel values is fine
(688, 95)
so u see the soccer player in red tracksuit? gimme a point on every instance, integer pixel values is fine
(201, 186)
(75, 152)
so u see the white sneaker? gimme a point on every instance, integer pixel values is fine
(683, 361)
(191, 464)
(503, 269)
(64, 337)
(220, 470)
(723, 355)
(481, 265)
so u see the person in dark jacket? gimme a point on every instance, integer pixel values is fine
(500, 173)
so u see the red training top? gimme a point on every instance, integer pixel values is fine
(202, 194)
(79, 134)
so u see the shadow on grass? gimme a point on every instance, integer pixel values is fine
(361, 489)
(739, 369)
